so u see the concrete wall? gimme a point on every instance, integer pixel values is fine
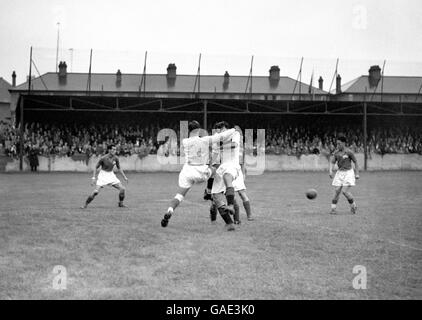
(272, 163)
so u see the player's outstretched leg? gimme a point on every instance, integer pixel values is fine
(228, 181)
(90, 198)
(224, 213)
(220, 202)
(178, 198)
(349, 197)
(246, 204)
(337, 192)
(122, 192)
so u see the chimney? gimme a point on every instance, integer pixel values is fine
(274, 76)
(338, 84)
(62, 69)
(171, 71)
(320, 83)
(171, 74)
(226, 81)
(62, 72)
(374, 76)
(118, 78)
(14, 79)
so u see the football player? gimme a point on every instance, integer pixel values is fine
(106, 176)
(345, 177)
(229, 162)
(196, 168)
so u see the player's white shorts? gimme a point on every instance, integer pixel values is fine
(344, 178)
(230, 168)
(193, 174)
(239, 182)
(106, 178)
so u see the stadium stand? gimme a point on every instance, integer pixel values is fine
(69, 140)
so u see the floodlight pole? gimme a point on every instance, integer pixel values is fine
(57, 47)
(21, 144)
(205, 102)
(365, 133)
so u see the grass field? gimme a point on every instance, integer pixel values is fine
(294, 249)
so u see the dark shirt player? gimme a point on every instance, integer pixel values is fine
(345, 177)
(106, 176)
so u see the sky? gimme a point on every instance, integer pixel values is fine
(227, 33)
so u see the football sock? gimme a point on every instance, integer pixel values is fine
(173, 204)
(121, 195)
(236, 211)
(247, 206)
(230, 195)
(178, 198)
(351, 201)
(225, 215)
(209, 184)
(90, 198)
(213, 212)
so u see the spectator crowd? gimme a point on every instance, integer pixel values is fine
(304, 140)
(70, 140)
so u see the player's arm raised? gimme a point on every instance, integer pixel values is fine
(224, 136)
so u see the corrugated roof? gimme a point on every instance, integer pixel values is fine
(4, 91)
(390, 84)
(158, 83)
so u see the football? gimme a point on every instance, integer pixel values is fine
(311, 194)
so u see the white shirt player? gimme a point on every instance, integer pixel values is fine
(230, 164)
(196, 151)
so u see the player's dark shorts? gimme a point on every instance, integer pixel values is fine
(219, 199)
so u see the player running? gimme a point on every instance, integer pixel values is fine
(195, 169)
(345, 176)
(106, 176)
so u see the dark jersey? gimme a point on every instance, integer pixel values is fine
(344, 159)
(108, 162)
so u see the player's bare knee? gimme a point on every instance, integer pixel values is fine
(243, 196)
(228, 179)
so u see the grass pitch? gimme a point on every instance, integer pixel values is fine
(294, 249)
